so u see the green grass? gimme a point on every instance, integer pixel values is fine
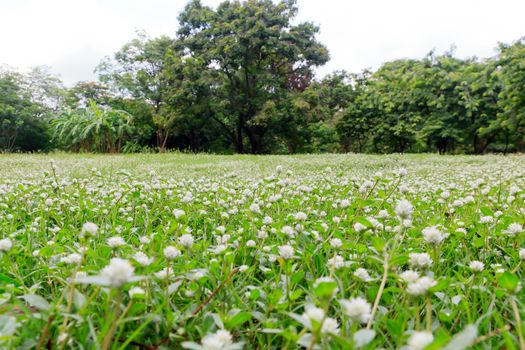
(288, 251)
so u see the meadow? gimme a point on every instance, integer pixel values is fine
(173, 251)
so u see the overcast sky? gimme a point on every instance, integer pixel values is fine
(72, 36)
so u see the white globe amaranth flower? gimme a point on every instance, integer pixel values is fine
(286, 252)
(420, 260)
(5, 244)
(409, 276)
(178, 213)
(358, 309)
(186, 240)
(404, 209)
(362, 274)
(514, 229)
(421, 286)
(171, 252)
(419, 340)
(476, 266)
(89, 228)
(222, 339)
(118, 272)
(116, 241)
(433, 235)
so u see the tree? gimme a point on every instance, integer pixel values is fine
(260, 58)
(137, 70)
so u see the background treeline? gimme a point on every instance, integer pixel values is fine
(240, 78)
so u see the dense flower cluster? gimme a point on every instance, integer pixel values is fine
(220, 253)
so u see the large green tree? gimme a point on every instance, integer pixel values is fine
(260, 55)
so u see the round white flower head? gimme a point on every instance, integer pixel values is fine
(358, 309)
(336, 243)
(409, 276)
(486, 220)
(404, 209)
(359, 227)
(476, 266)
(73, 258)
(136, 291)
(336, 262)
(420, 260)
(300, 216)
(522, 253)
(186, 240)
(118, 272)
(90, 228)
(433, 236)
(421, 286)
(178, 213)
(218, 340)
(345, 203)
(286, 252)
(330, 326)
(116, 241)
(5, 244)
(362, 274)
(514, 228)
(419, 340)
(254, 208)
(313, 313)
(142, 259)
(171, 252)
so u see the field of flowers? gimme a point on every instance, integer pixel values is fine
(208, 252)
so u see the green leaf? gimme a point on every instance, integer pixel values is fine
(7, 325)
(36, 301)
(239, 319)
(508, 281)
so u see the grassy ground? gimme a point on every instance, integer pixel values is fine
(209, 252)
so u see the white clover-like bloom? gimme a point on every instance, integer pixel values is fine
(476, 266)
(362, 274)
(433, 236)
(73, 258)
(330, 326)
(177, 213)
(359, 227)
(220, 248)
(186, 240)
(419, 340)
(336, 243)
(409, 276)
(255, 208)
(144, 240)
(116, 241)
(142, 259)
(521, 253)
(251, 243)
(421, 286)
(486, 220)
(313, 313)
(286, 252)
(300, 216)
(171, 252)
(514, 229)
(164, 273)
(90, 228)
(345, 203)
(288, 230)
(404, 209)
(5, 244)
(358, 309)
(118, 272)
(267, 220)
(336, 262)
(136, 291)
(221, 339)
(420, 260)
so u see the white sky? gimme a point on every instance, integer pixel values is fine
(72, 36)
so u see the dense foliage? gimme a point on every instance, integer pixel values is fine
(262, 252)
(240, 78)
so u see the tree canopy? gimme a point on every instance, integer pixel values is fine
(241, 78)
